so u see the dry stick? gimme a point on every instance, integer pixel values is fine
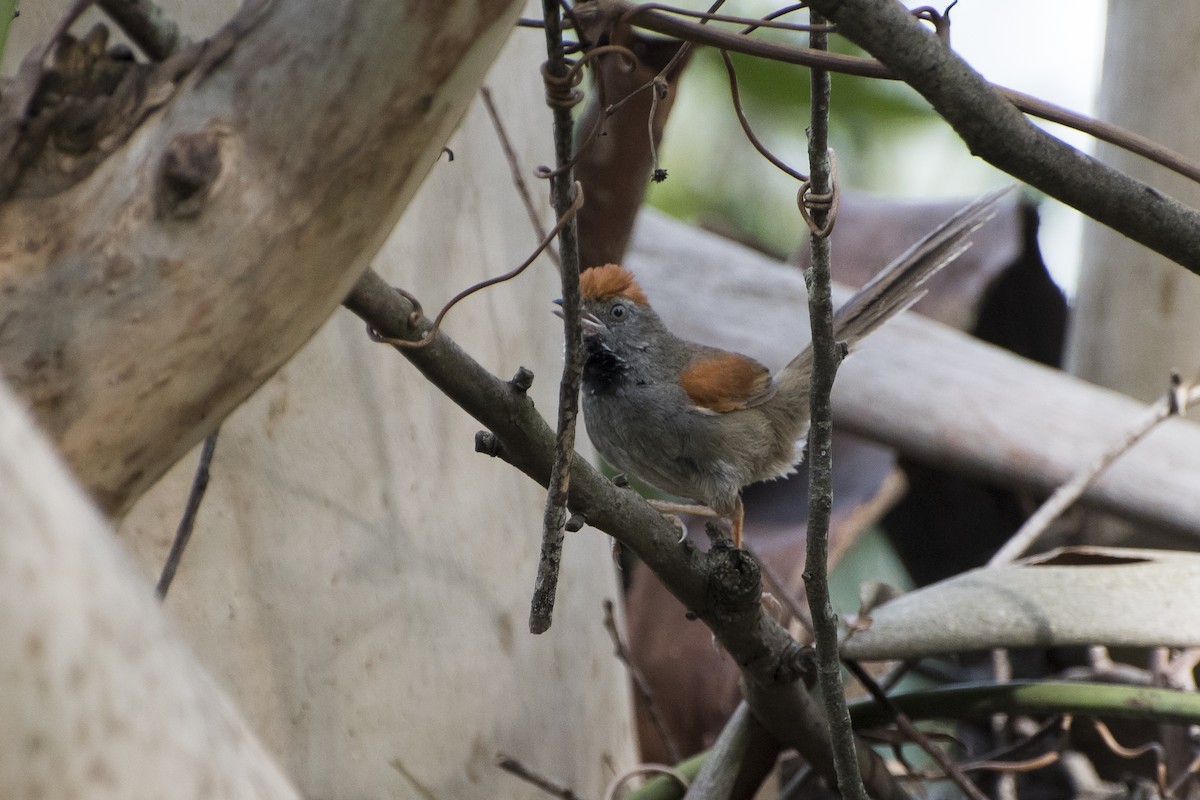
(561, 98)
(1176, 401)
(640, 685)
(906, 726)
(146, 25)
(826, 356)
(186, 523)
(547, 785)
(514, 167)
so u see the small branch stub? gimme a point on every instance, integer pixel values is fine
(734, 580)
(522, 380)
(575, 523)
(487, 443)
(190, 167)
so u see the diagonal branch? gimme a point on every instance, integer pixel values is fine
(997, 132)
(721, 587)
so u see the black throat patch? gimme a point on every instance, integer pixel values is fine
(603, 370)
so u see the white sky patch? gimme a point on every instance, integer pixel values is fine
(1054, 52)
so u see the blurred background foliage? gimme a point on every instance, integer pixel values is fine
(888, 141)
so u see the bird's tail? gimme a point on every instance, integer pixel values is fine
(901, 283)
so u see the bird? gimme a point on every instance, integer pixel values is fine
(701, 423)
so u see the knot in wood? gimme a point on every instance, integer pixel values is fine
(797, 663)
(189, 169)
(734, 580)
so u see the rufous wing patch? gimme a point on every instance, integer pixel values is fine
(609, 281)
(726, 382)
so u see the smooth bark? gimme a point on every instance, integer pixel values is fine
(310, 131)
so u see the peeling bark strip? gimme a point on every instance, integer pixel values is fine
(147, 295)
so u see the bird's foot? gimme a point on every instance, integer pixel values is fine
(672, 511)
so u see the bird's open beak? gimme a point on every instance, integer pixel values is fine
(589, 321)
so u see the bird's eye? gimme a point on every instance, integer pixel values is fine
(617, 310)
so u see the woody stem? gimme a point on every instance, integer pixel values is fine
(820, 440)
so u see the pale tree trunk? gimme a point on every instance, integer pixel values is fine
(1135, 315)
(359, 578)
(99, 698)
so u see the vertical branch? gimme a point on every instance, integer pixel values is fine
(561, 97)
(826, 356)
(187, 522)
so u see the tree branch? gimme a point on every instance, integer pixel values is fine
(820, 434)
(997, 132)
(721, 587)
(561, 98)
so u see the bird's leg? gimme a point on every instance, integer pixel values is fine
(739, 516)
(667, 507)
(672, 511)
(669, 510)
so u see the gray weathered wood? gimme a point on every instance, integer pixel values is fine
(1120, 597)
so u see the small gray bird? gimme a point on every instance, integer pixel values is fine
(701, 423)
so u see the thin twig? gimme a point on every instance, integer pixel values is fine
(431, 334)
(609, 110)
(1177, 400)
(736, 96)
(784, 593)
(1118, 749)
(1006, 785)
(826, 355)
(547, 785)
(640, 685)
(573, 78)
(754, 22)
(541, 607)
(188, 521)
(906, 726)
(1191, 769)
(518, 176)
